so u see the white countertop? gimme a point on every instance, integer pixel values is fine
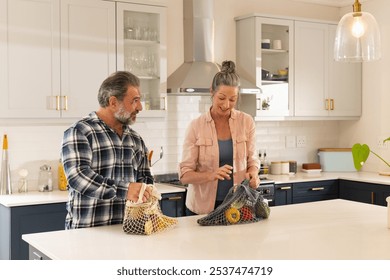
(57, 196)
(35, 197)
(333, 229)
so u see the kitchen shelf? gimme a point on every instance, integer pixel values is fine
(141, 42)
(271, 82)
(272, 51)
(253, 60)
(141, 49)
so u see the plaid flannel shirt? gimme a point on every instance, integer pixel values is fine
(99, 165)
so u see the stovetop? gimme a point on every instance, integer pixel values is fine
(264, 181)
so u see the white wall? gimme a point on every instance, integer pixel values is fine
(374, 124)
(33, 145)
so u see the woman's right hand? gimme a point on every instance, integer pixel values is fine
(223, 172)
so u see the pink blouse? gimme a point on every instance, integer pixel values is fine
(201, 154)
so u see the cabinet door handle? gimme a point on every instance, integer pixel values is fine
(258, 103)
(327, 104)
(331, 104)
(285, 188)
(318, 189)
(57, 103)
(174, 198)
(163, 103)
(37, 256)
(65, 100)
(372, 198)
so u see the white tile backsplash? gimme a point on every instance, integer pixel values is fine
(31, 146)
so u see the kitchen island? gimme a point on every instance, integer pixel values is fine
(35, 211)
(326, 230)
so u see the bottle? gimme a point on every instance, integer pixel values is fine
(62, 182)
(45, 179)
(5, 183)
(23, 184)
(265, 163)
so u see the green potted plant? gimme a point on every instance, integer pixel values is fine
(360, 153)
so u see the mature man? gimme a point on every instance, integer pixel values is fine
(105, 160)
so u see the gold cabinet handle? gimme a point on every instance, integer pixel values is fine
(372, 197)
(285, 188)
(175, 198)
(327, 104)
(318, 189)
(65, 102)
(57, 103)
(331, 104)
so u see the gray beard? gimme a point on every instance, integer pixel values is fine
(124, 117)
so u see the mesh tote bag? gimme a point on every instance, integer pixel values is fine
(241, 205)
(145, 218)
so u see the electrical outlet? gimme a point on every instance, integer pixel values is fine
(382, 145)
(301, 141)
(291, 141)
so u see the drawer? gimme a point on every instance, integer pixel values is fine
(315, 191)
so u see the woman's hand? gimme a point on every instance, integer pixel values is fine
(222, 173)
(133, 192)
(253, 178)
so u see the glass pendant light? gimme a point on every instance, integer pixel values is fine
(357, 37)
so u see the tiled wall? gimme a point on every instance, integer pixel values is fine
(30, 146)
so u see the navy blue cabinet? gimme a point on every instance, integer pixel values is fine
(173, 204)
(283, 194)
(16, 221)
(364, 192)
(315, 191)
(306, 192)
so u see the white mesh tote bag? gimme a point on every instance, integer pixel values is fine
(145, 218)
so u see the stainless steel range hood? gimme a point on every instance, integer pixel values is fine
(194, 76)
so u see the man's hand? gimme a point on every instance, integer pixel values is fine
(134, 190)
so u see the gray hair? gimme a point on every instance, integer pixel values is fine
(226, 77)
(116, 85)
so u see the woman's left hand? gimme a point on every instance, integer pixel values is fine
(253, 178)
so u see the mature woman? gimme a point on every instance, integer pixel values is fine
(219, 149)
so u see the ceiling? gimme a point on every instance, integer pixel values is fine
(334, 3)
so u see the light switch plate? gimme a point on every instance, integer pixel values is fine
(291, 141)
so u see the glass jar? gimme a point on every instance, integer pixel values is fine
(276, 167)
(45, 179)
(285, 167)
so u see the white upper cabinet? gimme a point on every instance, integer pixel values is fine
(55, 54)
(265, 58)
(30, 57)
(314, 86)
(323, 87)
(141, 49)
(345, 84)
(87, 53)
